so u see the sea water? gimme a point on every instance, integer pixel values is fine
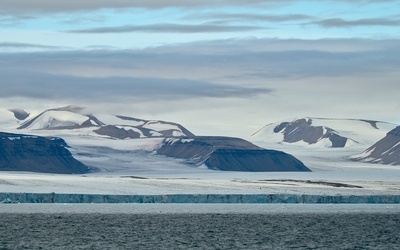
(200, 227)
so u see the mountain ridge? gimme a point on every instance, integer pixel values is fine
(73, 117)
(324, 132)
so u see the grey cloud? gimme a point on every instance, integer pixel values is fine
(23, 83)
(253, 17)
(27, 45)
(40, 6)
(11, 20)
(245, 45)
(342, 23)
(13, 7)
(170, 28)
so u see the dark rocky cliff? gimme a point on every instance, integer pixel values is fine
(37, 154)
(229, 154)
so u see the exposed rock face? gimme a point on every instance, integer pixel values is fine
(37, 154)
(229, 154)
(115, 132)
(142, 129)
(303, 130)
(385, 151)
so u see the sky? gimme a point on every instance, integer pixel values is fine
(217, 67)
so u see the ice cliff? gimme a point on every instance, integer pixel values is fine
(198, 198)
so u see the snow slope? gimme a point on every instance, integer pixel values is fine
(56, 119)
(8, 120)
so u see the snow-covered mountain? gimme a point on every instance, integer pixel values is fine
(69, 117)
(116, 127)
(324, 132)
(385, 151)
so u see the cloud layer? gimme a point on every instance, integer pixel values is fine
(20, 83)
(215, 60)
(342, 23)
(76, 5)
(169, 28)
(40, 6)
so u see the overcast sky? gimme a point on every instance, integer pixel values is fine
(217, 67)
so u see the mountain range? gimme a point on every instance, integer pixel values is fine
(173, 140)
(80, 128)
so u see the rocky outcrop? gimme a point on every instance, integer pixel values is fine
(37, 154)
(229, 154)
(303, 130)
(115, 132)
(385, 151)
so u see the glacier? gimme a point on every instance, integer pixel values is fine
(199, 198)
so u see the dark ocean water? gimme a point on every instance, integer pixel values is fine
(199, 231)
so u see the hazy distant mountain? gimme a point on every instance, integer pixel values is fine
(37, 154)
(117, 127)
(229, 154)
(324, 132)
(385, 151)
